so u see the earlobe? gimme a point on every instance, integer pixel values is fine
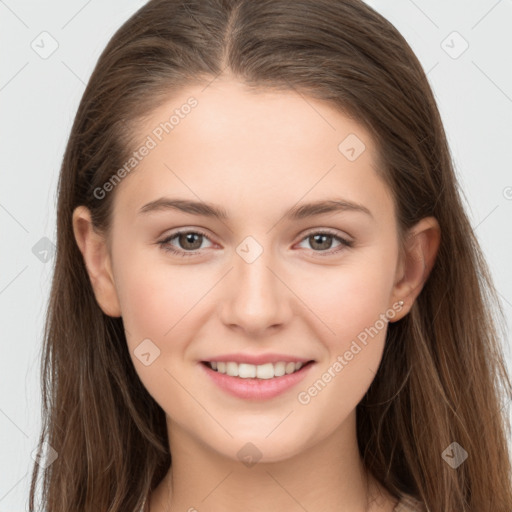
(96, 256)
(418, 258)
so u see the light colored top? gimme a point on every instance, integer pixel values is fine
(409, 504)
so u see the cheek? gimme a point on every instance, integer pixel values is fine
(349, 298)
(353, 304)
(158, 303)
(155, 297)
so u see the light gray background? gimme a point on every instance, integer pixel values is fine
(39, 97)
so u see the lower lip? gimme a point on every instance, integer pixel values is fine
(257, 389)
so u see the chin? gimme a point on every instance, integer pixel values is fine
(251, 449)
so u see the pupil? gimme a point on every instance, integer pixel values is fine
(189, 238)
(324, 242)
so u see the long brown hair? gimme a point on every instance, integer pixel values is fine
(442, 378)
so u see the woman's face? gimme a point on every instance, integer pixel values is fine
(271, 279)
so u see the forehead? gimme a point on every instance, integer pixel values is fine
(257, 119)
(229, 144)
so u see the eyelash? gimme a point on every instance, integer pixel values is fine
(168, 248)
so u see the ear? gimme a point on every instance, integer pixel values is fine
(94, 249)
(416, 261)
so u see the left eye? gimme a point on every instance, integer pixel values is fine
(321, 238)
(191, 242)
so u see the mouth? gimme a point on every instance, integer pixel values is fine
(256, 382)
(251, 371)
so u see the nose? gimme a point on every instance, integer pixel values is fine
(255, 298)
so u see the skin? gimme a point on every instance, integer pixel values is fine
(257, 154)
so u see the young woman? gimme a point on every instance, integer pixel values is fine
(267, 294)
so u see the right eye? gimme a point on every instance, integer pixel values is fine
(184, 237)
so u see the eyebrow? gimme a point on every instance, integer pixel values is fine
(295, 213)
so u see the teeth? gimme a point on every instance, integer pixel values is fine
(232, 369)
(245, 371)
(251, 371)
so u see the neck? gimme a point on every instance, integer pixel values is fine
(326, 476)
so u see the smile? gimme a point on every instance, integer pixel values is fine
(251, 371)
(256, 382)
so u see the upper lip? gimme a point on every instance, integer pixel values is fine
(257, 359)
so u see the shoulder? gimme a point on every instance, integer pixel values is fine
(409, 504)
